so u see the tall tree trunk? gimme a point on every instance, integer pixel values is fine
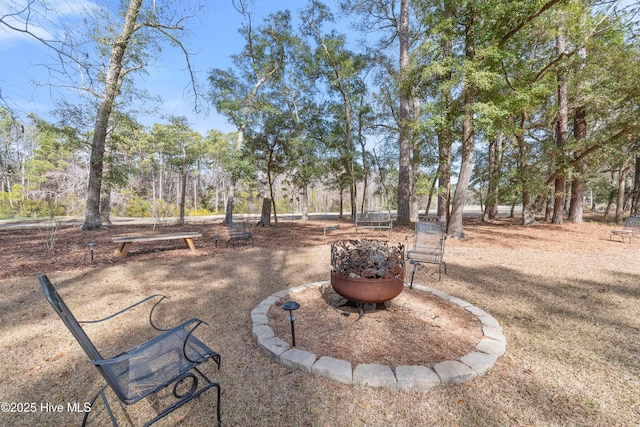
(561, 130)
(622, 181)
(493, 190)
(304, 202)
(445, 135)
(404, 185)
(196, 185)
(415, 163)
(353, 194)
(231, 190)
(161, 175)
(431, 191)
(348, 152)
(548, 209)
(635, 204)
(578, 188)
(183, 194)
(363, 150)
(230, 198)
(216, 204)
(455, 222)
(184, 173)
(576, 207)
(271, 180)
(265, 215)
(612, 193)
(105, 205)
(528, 208)
(444, 174)
(113, 82)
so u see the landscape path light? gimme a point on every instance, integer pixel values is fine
(290, 306)
(91, 247)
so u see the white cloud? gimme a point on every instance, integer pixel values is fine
(45, 19)
(72, 7)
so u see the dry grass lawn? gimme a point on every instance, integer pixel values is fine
(566, 296)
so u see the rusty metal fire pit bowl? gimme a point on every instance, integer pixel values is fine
(367, 271)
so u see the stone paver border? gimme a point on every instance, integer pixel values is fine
(415, 378)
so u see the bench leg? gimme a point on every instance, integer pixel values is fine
(122, 251)
(189, 242)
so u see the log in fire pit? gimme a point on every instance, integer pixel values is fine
(367, 271)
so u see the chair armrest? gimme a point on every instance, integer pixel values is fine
(139, 351)
(124, 310)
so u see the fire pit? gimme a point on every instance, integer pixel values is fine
(367, 271)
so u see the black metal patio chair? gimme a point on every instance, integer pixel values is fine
(428, 247)
(171, 358)
(240, 232)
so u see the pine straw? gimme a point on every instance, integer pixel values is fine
(415, 328)
(566, 297)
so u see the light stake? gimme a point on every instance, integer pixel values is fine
(291, 305)
(91, 247)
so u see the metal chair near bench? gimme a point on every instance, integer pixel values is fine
(171, 358)
(630, 229)
(428, 247)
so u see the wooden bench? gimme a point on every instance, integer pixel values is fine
(126, 241)
(330, 228)
(378, 220)
(630, 229)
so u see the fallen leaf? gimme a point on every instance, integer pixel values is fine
(56, 357)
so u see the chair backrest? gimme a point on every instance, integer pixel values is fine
(67, 317)
(429, 236)
(632, 223)
(373, 216)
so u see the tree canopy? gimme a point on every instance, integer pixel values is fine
(482, 102)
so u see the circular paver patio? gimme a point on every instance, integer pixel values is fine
(416, 377)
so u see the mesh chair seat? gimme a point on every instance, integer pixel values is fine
(156, 364)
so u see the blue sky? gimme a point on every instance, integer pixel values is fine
(214, 37)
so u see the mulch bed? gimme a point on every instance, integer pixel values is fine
(32, 250)
(415, 328)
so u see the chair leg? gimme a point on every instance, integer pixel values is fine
(182, 399)
(413, 272)
(440, 270)
(187, 397)
(106, 404)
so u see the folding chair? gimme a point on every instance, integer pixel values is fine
(171, 358)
